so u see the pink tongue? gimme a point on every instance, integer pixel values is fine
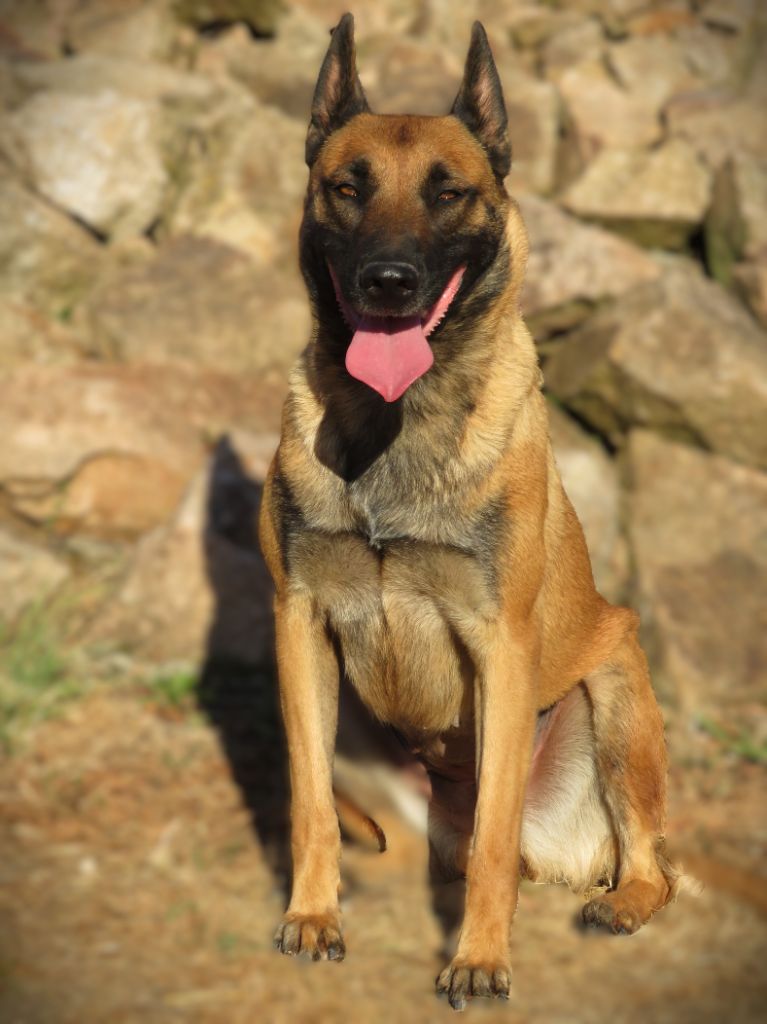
(388, 354)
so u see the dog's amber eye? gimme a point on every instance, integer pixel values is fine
(448, 195)
(347, 190)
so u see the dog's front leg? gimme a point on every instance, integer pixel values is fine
(309, 677)
(505, 710)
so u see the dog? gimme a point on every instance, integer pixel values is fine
(422, 546)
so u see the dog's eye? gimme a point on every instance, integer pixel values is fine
(349, 191)
(448, 195)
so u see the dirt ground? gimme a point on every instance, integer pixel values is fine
(142, 869)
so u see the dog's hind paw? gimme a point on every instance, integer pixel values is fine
(462, 981)
(317, 935)
(625, 910)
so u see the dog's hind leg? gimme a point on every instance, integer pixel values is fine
(630, 756)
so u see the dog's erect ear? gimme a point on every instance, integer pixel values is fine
(338, 94)
(480, 105)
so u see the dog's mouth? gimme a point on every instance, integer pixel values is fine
(389, 353)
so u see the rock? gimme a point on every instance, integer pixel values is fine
(261, 16)
(29, 575)
(27, 335)
(138, 30)
(533, 109)
(574, 268)
(245, 189)
(95, 156)
(198, 301)
(591, 480)
(408, 76)
(193, 116)
(656, 198)
(281, 73)
(34, 29)
(750, 282)
(718, 58)
(679, 355)
(602, 115)
(660, 21)
(108, 450)
(578, 42)
(181, 92)
(736, 224)
(717, 125)
(653, 67)
(730, 15)
(47, 263)
(696, 524)
(198, 586)
(532, 25)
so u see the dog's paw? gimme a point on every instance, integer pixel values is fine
(317, 935)
(462, 980)
(625, 910)
(608, 912)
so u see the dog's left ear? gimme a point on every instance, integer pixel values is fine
(338, 94)
(480, 104)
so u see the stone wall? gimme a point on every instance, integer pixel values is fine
(151, 178)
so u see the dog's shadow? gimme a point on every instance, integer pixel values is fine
(237, 687)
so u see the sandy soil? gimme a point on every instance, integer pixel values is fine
(141, 871)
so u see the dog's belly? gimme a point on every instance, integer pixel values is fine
(398, 615)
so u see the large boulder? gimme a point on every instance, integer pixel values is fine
(123, 28)
(281, 73)
(654, 67)
(533, 109)
(574, 268)
(590, 478)
(109, 450)
(656, 198)
(406, 75)
(571, 44)
(85, 74)
(245, 188)
(696, 525)
(679, 355)
(198, 301)
(97, 156)
(602, 115)
(114, 140)
(197, 586)
(718, 124)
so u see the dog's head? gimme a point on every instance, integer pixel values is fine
(404, 214)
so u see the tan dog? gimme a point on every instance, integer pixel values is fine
(421, 542)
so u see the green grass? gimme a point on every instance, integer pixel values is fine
(35, 676)
(735, 742)
(174, 688)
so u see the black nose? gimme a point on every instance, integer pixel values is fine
(389, 282)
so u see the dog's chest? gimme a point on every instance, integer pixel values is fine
(399, 610)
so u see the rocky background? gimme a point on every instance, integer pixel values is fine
(151, 179)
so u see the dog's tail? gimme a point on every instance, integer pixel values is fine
(360, 826)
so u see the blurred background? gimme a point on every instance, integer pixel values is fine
(151, 180)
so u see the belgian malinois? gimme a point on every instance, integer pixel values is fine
(421, 542)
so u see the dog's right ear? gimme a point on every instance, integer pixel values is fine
(338, 95)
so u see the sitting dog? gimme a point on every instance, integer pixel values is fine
(422, 546)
